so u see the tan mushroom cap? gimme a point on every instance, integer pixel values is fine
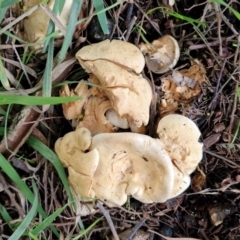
(71, 150)
(180, 138)
(72, 110)
(130, 94)
(128, 164)
(162, 54)
(131, 164)
(119, 52)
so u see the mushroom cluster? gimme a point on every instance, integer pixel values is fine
(112, 166)
(120, 97)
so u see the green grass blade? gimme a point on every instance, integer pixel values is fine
(22, 186)
(2, 13)
(47, 82)
(75, 9)
(102, 18)
(177, 15)
(51, 26)
(3, 76)
(60, 5)
(1, 131)
(88, 229)
(32, 100)
(7, 3)
(51, 157)
(41, 227)
(5, 215)
(28, 219)
(236, 13)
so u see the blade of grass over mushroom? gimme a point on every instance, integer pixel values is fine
(75, 9)
(52, 157)
(102, 18)
(22, 186)
(43, 225)
(56, 9)
(35, 100)
(28, 219)
(236, 13)
(27, 13)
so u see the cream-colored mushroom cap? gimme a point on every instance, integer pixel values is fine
(131, 164)
(71, 150)
(119, 52)
(116, 165)
(180, 138)
(130, 94)
(162, 55)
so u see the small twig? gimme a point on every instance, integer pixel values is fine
(223, 158)
(234, 108)
(129, 12)
(219, 21)
(27, 13)
(146, 16)
(108, 218)
(22, 65)
(213, 104)
(195, 5)
(130, 27)
(237, 51)
(135, 229)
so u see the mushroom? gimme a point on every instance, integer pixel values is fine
(179, 136)
(162, 54)
(113, 118)
(127, 164)
(122, 123)
(73, 152)
(72, 110)
(118, 52)
(94, 118)
(130, 94)
(36, 24)
(115, 66)
(122, 164)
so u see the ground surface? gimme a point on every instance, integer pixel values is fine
(209, 209)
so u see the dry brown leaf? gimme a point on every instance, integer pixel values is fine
(211, 140)
(182, 86)
(198, 180)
